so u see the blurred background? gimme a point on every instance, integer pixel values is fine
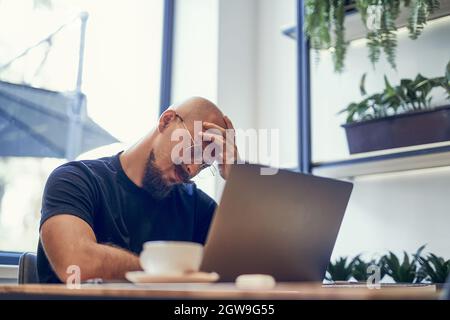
(120, 80)
(243, 55)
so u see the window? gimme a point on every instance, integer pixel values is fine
(121, 82)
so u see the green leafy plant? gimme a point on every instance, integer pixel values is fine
(414, 269)
(406, 271)
(340, 46)
(341, 269)
(324, 17)
(409, 96)
(433, 268)
(384, 36)
(419, 15)
(360, 269)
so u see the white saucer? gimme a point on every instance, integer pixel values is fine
(194, 277)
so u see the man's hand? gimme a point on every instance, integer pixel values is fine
(226, 142)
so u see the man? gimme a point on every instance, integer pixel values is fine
(97, 214)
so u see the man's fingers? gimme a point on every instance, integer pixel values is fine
(216, 138)
(232, 137)
(209, 125)
(225, 131)
(228, 122)
(225, 146)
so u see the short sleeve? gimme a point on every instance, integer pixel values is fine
(70, 189)
(205, 209)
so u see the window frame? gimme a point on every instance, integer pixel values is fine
(9, 258)
(167, 55)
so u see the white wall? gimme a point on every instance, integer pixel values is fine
(195, 49)
(237, 63)
(398, 212)
(275, 75)
(237, 66)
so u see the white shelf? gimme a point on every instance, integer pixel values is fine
(394, 160)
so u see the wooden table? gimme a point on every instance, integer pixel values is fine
(225, 291)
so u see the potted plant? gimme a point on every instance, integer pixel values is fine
(360, 269)
(406, 271)
(398, 116)
(341, 270)
(417, 269)
(434, 269)
(325, 25)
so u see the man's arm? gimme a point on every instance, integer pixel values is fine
(68, 240)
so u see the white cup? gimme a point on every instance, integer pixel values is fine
(171, 257)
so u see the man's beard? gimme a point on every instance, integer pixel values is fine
(153, 181)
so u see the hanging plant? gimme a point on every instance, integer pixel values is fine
(379, 17)
(324, 17)
(340, 46)
(420, 11)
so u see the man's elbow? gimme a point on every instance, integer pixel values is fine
(70, 246)
(73, 273)
(76, 267)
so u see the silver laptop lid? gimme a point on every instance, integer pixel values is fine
(284, 225)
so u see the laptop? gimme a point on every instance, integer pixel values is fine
(284, 225)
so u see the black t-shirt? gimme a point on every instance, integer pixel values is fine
(119, 212)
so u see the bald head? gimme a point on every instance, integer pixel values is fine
(199, 109)
(164, 158)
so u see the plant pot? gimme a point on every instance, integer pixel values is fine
(402, 130)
